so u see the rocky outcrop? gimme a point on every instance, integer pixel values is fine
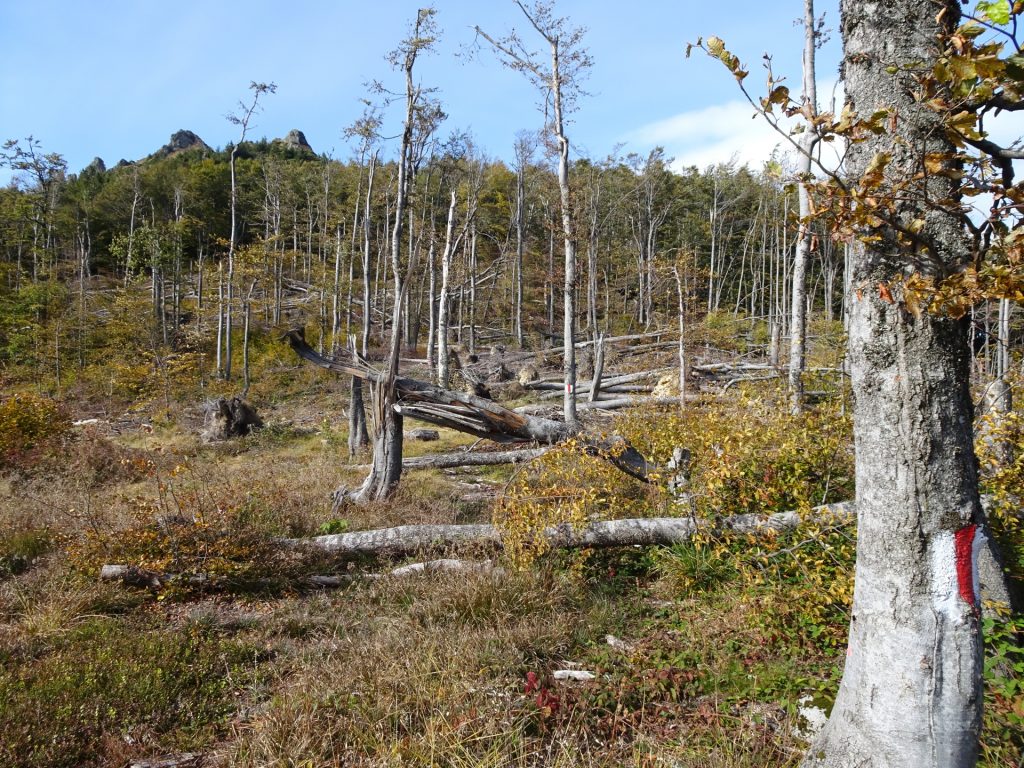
(96, 166)
(296, 140)
(181, 141)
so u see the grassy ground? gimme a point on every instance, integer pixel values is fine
(700, 654)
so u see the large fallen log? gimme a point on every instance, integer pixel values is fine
(628, 402)
(127, 574)
(470, 459)
(647, 531)
(461, 411)
(467, 459)
(445, 565)
(475, 415)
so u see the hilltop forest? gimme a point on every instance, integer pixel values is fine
(114, 278)
(439, 454)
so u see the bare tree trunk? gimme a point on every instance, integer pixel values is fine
(444, 301)
(523, 151)
(367, 237)
(245, 338)
(648, 531)
(358, 437)
(681, 296)
(432, 306)
(911, 689)
(387, 438)
(471, 313)
(595, 386)
(220, 319)
(807, 140)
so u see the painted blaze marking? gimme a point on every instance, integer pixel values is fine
(954, 570)
(966, 569)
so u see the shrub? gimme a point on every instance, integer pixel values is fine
(222, 533)
(1001, 437)
(565, 486)
(750, 455)
(29, 425)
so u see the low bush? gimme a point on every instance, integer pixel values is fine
(750, 455)
(30, 427)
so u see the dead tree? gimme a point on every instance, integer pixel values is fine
(471, 414)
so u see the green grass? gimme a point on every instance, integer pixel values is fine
(112, 685)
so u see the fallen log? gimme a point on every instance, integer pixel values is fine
(475, 415)
(628, 402)
(583, 344)
(602, 534)
(641, 348)
(141, 577)
(548, 383)
(615, 389)
(400, 540)
(460, 411)
(467, 459)
(444, 565)
(128, 574)
(183, 760)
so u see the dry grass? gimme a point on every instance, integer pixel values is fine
(432, 670)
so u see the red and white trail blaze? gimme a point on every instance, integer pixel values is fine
(955, 570)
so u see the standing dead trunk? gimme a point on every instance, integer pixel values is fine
(432, 305)
(387, 434)
(358, 436)
(807, 140)
(367, 244)
(557, 79)
(524, 149)
(247, 316)
(444, 301)
(595, 386)
(681, 296)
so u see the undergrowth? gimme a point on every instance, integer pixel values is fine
(105, 688)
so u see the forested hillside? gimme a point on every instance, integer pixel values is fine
(111, 274)
(442, 454)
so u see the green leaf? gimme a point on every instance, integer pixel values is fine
(996, 11)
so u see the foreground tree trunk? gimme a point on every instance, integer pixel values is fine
(911, 690)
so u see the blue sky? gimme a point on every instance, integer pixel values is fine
(115, 78)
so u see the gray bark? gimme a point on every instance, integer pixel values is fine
(386, 472)
(595, 384)
(466, 459)
(444, 299)
(807, 140)
(358, 436)
(911, 689)
(473, 415)
(602, 534)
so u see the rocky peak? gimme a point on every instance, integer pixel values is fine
(296, 139)
(180, 142)
(96, 165)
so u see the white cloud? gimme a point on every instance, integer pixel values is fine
(715, 134)
(723, 132)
